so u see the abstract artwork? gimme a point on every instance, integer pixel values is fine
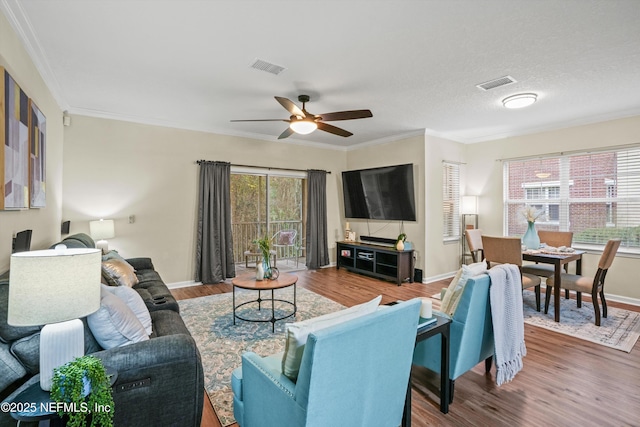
(14, 148)
(37, 156)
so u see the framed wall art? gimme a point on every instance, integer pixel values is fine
(37, 156)
(14, 139)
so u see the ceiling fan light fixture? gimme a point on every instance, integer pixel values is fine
(303, 127)
(520, 100)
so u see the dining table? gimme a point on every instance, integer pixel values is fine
(558, 260)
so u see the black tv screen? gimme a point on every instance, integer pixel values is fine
(380, 193)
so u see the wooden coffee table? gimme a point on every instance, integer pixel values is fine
(248, 281)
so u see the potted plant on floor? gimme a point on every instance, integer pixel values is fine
(83, 386)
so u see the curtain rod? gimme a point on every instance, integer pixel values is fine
(262, 167)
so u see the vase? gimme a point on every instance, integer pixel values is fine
(530, 238)
(266, 268)
(400, 245)
(259, 272)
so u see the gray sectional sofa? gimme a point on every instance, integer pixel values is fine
(160, 380)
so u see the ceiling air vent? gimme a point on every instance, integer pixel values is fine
(492, 84)
(261, 65)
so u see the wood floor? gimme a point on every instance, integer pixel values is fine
(565, 381)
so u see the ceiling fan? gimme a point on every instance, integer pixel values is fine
(303, 122)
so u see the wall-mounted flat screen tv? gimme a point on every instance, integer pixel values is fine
(385, 193)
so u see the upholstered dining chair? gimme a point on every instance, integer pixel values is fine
(508, 250)
(594, 285)
(474, 242)
(555, 239)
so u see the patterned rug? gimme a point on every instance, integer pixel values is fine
(619, 330)
(221, 344)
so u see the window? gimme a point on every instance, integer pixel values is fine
(595, 195)
(450, 201)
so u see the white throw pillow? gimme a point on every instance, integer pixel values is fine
(452, 296)
(114, 324)
(135, 302)
(296, 333)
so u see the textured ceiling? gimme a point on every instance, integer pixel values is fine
(415, 64)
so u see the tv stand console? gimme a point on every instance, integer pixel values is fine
(375, 260)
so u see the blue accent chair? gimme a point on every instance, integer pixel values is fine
(355, 373)
(471, 334)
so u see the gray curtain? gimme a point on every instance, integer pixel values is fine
(214, 249)
(316, 237)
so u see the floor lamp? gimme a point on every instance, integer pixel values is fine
(55, 288)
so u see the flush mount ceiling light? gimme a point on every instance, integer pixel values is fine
(520, 100)
(303, 126)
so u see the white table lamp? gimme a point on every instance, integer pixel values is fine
(100, 231)
(55, 288)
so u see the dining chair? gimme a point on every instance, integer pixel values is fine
(554, 239)
(474, 242)
(593, 285)
(508, 250)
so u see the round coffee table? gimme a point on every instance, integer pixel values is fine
(248, 281)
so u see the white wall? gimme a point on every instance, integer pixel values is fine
(486, 169)
(114, 169)
(45, 222)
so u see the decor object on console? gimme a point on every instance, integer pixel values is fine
(400, 241)
(102, 230)
(83, 382)
(56, 288)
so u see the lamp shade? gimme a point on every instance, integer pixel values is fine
(470, 204)
(54, 285)
(102, 229)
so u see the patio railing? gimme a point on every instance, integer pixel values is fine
(244, 233)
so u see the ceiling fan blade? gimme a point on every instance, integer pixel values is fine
(287, 133)
(346, 115)
(290, 106)
(261, 120)
(333, 129)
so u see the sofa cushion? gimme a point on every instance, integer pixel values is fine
(134, 302)
(118, 272)
(10, 333)
(112, 254)
(451, 297)
(10, 369)
(296, 333)
(27, 351)
(114, 324)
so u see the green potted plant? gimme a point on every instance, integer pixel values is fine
(264, 245)
(82, 388)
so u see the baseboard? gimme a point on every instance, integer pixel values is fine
(439, 277)
(184, 284)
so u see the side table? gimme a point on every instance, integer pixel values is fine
(442, 327)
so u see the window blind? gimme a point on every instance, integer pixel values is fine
(450, 201)
(595, 195)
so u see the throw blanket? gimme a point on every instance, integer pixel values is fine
(508, 321)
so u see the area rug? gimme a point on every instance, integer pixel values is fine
(619, 330)
(221, 344)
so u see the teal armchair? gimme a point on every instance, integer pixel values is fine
(471, 334)
(353, 373)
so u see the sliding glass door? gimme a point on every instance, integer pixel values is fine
(268, 203)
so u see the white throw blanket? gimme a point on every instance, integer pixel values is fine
(508, 321)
